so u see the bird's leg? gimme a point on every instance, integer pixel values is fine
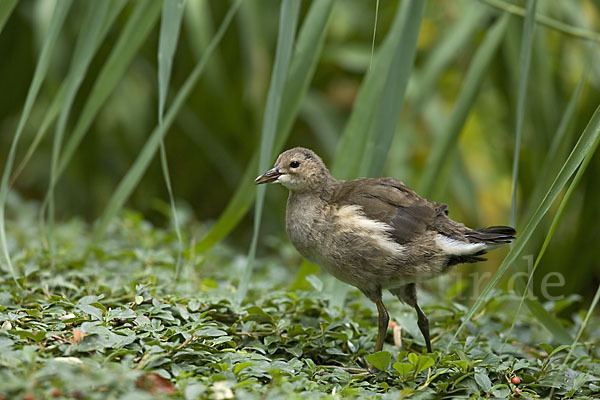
(384, 319)
(408, 294)
(423, 323)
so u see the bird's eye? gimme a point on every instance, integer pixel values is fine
(294, 164)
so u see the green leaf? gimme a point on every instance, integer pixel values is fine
(288, 19)
(558, 349)
(255, 311)
(423, 363)
(463, 365)
(35, 336)
(483, 381)
(210, 332)
(413, 359)
(306, 269)
(91, 310)
(380, 360)
(241, 366)
(404, 369)
(315, 282)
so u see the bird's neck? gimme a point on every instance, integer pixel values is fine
(322, 189)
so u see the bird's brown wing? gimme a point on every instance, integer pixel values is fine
(390, 201)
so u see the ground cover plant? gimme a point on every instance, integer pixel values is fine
(134, 266)
(119, 326)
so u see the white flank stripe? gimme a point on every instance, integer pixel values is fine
(353, 217)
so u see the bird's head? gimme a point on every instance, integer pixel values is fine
(297, 169)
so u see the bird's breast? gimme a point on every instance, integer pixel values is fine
(341, 239)
(305, 226)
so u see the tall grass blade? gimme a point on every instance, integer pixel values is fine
(448, 137)
(580, 17)
(288, 19)
(525, 61)
(557, 217)
(58, 18)
(457, 37)
(574, 31)
(584, 324)
(82, 57)
(167, 44)
(348, 157)
(134, 33)
(306, 54)
(49, 118)
(309, 46)
(551, 323)
(587, 144)
(224, 162)
(172, 13)
(374, 33)
(51, 114)
(199, 31)
(387, 113)
(133, 176)
(235, 209)
(6, 9)
(324, 121)
(558, 148)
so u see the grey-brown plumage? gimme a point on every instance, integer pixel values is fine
(374, 234)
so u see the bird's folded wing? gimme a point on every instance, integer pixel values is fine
(390, 201)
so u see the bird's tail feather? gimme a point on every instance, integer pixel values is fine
(492, 235)
(466, 258)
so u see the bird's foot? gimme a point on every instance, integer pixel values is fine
(372, 369)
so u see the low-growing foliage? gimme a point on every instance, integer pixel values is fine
(443, 95)
(118, 325)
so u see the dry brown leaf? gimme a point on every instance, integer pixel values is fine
(154, 383)
(77, 335)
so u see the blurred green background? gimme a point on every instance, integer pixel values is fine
(217, 132)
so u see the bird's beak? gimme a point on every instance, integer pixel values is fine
(269, 176)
